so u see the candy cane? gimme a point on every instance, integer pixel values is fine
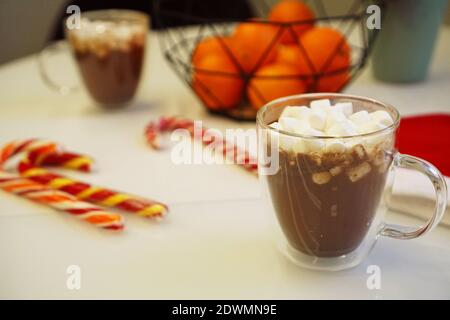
(169, 124)
(39, 152)
(46, 153)
(60, 201)
(63, 159)
(15, 147)
(94, 194)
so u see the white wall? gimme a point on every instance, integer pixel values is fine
(25, 25)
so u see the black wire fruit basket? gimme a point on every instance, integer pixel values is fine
(237, 55)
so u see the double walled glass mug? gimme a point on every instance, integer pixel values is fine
(108, 47)
(330, 204)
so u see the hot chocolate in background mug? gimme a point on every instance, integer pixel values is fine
(329, 192)
(108, 47)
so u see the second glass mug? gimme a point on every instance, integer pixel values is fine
(330, 206)
(108, 47)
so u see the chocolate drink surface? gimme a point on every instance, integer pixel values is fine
(325, 203)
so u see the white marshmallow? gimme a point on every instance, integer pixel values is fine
(318, 119)
(106, 31)
(372, 141)
(360, 151)
(312, 132)
(124, 33)
(333, 117)
(337, 170)
(299, 146)
(313, 144)
(289, 124)
(303, 125)
(296, 112)
(321, 177)
(370, 126)
(323, 104)
(342, 129)
(335, 146)
(360, 117)
(322, 119)
(359, 171)
(85, 31)
(306, 130)
(382, 117)
(345, 107)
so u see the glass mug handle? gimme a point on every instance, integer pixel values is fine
(43, 57)
(440, 188)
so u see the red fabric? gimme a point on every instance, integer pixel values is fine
(427, 137)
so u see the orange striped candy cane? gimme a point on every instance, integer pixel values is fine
(61, 201)
(46, 153)
(94, 194)
(39, 152)
(87, 192)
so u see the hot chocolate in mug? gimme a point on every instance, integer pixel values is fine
(108, 47)
(329, 193)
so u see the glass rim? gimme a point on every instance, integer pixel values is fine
(114, 14)
(328, 95)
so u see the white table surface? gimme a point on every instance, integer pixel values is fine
(216, 242)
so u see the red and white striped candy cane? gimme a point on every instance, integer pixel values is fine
(60, 201)
(232, 152)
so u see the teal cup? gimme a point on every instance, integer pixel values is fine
(403, 49)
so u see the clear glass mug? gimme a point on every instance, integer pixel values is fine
(108, 47)
(330, 203)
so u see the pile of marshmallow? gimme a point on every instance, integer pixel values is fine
(107, 31)
(321, 119)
